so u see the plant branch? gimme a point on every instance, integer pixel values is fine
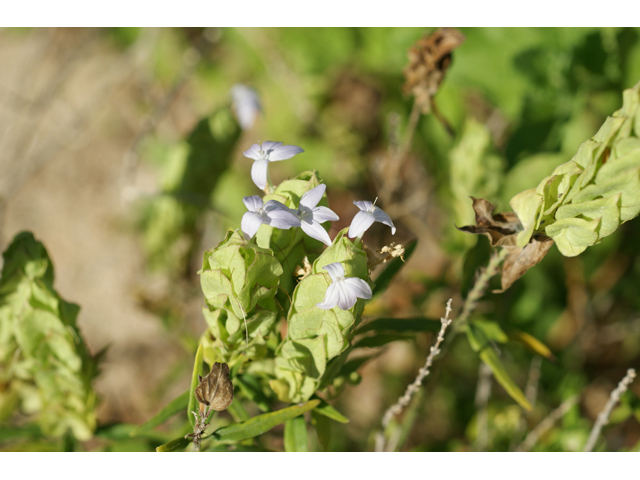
(546, 424)
(603, 417)
(404, 400)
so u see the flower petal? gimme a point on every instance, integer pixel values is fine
(335, 270)
(250, 223)
(246, 104)
(359, 287)
(331, 297)
(380, 216)
(267, 147)
(311, 198)
(360, 224)
(347, 297)
(253, 203)
(253, 152)
(324, 214)
(259, 173)
(281, 216)
(317, 231)
(283, 152)
(363, 205)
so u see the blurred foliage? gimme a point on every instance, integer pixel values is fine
(520, 103)
(46, 368)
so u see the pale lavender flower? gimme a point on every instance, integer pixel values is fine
(368, 214)
(246, 104)
(272, 213)
(268, 152)
(343, 292)
(311, 216)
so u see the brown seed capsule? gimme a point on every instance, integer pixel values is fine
(216, 390)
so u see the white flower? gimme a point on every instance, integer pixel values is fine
(312, 216)
(368, 214)
(268, 152)
(272, 213)
(246, 104)
(343, 292)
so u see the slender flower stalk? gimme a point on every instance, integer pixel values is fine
(311, 216)
(343, 292)
(265, 153)
(272, 213)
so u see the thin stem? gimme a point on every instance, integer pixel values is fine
(480, 286)
(483, 392)
(404, 400)
(546, 424)
(603, 417)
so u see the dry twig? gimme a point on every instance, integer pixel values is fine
(603, 417)
(404, 400)
(546, 424)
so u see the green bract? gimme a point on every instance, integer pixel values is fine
(587, 198)
(47, 370)
(317, 337)
(239, 282)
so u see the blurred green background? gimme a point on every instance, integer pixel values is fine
(144, 171)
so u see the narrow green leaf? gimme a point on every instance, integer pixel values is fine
(353, 365)
(328, 411)
(237, 411)
(262, 423)
(418, 324)
(376, 341)
(531, 343)
(384, 279)
(322, 425)
(176, 444)
(197, 370)
(296, 438)
(175, 406)
(252, 390)
(480, 344)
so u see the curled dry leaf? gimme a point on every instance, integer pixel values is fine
(429, 60)
(216, 390)
(502, 230)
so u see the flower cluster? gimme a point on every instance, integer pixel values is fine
(343, 292)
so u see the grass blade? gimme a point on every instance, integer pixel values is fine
(197, 370)
(175, 406)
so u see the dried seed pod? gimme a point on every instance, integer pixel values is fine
(216, 390)
(429, 60)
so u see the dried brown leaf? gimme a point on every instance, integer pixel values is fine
(522, 259)
(502, 230)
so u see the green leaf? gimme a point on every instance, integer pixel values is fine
(238, 412)
(253, 391)
(328, 411)
(175, 406)
(380, 340)
(197, 370)
(296, 438)
(384, 279)
(262, 423)
(322, 426)
(481, 345)
(418, 324)
(353, 365)
(173, 445)
(531, 343)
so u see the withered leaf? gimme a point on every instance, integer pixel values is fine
(216, 390)
(502, 230)
(520, 260)
(429, 60)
